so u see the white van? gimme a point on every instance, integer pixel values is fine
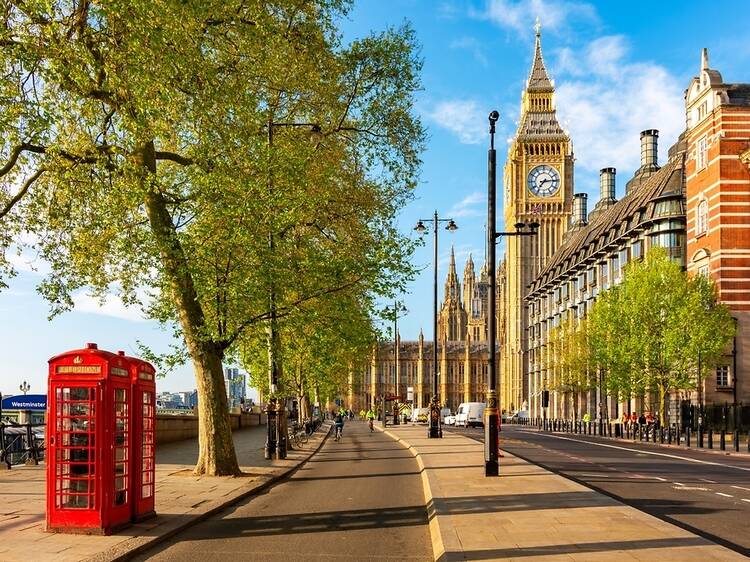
(470, 414)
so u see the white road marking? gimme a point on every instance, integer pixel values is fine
(722, 494)
(708, 481)
(691, 488)
(660, 479)
(678, 483)
(745, 500)
(654, 453)
(741, 488)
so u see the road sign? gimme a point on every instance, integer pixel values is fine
(25, 402)
(410, 393)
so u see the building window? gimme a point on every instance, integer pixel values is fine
(722, 376)
(603, 277)
(701, 155)
(636, 250)
(701, 218)
(592, 277)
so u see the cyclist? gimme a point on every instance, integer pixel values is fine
(339, 424)
(370, 419)
(362, 415)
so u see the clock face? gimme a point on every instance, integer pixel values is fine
(544, 181)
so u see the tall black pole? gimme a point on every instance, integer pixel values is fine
(491, 414)
(435, 429)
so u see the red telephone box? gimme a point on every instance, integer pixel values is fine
(143, 467)
(89, 442)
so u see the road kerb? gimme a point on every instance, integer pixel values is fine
(127, 550)
(438, 535)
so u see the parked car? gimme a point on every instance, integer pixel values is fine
(520, 416)
(470, 414)
(422, 414)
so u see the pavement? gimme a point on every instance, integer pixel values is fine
(181, 501)
(529, 513)
(357, 499)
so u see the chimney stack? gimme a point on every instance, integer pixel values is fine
(579, 210)
(649, 147)
(607, 185)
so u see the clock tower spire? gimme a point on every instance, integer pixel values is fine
(538, 187)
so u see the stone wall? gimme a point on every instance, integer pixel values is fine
(171, 428)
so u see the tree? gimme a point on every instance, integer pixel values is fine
(143, 128)
(651, 329)
(570, 358)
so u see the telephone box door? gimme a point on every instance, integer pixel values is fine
(72, 487)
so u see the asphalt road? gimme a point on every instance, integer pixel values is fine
(357, 499)
(706, 493)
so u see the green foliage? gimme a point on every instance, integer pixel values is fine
(651, 332)
(166, 147)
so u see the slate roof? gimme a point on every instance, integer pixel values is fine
(629, 214)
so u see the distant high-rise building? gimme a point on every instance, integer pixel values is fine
(236, 385)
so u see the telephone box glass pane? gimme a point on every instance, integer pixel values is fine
(147, 448)
(121, 451)
(74, 456)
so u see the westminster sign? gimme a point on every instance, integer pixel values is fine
(27, 402)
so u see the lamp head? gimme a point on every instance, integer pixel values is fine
(494, 116)
(451, 226)
(533, 226)
(519, 226)
(421, 228)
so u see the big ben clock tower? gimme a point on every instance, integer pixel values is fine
(537, 187)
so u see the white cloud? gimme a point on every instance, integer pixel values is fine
(473, 205)
(463, 118)
(111, 306)
(609, 99)
(520, 15)
(472, 45)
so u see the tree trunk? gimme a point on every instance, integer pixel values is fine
(662, 405)
(216, 456)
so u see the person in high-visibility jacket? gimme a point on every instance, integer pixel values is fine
(370, 419)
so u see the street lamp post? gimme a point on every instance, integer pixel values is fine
(491, 412)
(24, 387)
(397, 307)
(276, 440)
(435, 428)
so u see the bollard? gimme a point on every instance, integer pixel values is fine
(677, 436)
(710, 438)
(653, 432)
(687, 437)
(669, 435)
(723, 440)
(736, 440)
(661, 435)
(640, 433)
(700, 436)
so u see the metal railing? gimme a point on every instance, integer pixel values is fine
(21, 444)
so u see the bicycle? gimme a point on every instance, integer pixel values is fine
(337, 434)
(297, 436)
(372, 426)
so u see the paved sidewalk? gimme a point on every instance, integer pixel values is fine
(181, 500)
(532, 514)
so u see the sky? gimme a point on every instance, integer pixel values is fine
(618, 68)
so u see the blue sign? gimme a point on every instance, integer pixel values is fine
(27, 402)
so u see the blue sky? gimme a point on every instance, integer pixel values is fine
(619, 68)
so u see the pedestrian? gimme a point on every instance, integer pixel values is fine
(370, 419)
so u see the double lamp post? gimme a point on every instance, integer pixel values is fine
(435, 427)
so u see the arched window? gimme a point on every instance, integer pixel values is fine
(701, 218)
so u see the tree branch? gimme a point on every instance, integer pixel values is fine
(16, 152)
(18, 196)
(285, 310)
(174, 157)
